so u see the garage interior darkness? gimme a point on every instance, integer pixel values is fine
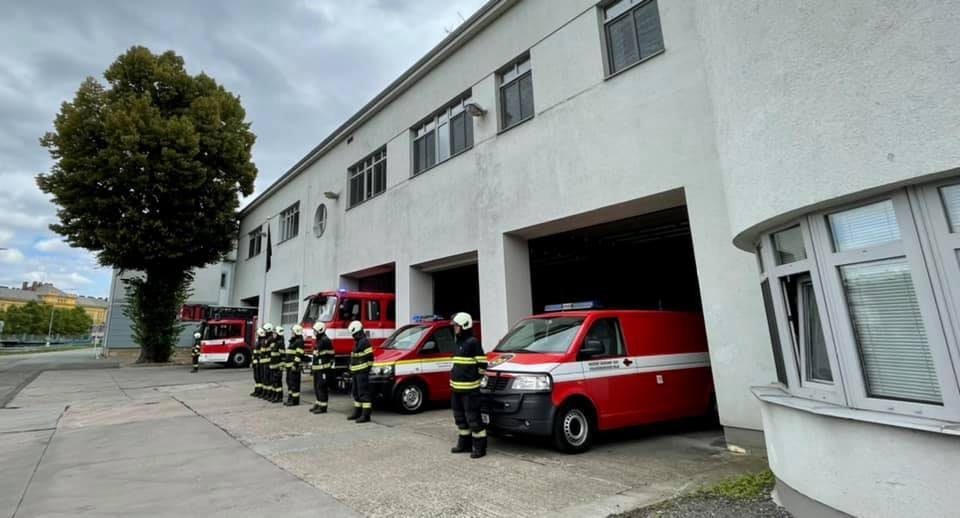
(381, 279)
(642, 262)
(457, 289)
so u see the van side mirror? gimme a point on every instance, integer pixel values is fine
(429, 347)
(591, 347)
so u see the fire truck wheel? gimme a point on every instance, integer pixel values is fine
(410, 398)
(573, 428)
(239, 358)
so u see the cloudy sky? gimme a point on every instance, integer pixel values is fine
(301, 67)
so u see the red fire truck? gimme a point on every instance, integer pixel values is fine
(336, 309)
(412, 367)
(226, 333)
(577, 370)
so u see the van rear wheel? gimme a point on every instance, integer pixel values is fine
(573, 429)
(238, 358)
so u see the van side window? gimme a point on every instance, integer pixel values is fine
(607, 331)
(373, 310)
(349, 310)
(445, 341)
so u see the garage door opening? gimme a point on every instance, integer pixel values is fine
(381, 279)
(457, 289)
(642, 262)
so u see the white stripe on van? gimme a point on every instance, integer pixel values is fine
(608, 367)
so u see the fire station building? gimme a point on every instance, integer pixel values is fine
(788, 170)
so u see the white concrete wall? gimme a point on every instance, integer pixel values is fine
(593, 143)
(823, 99)
(863, 469)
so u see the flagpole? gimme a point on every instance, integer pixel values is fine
(263, 292)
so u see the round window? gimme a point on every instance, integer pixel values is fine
(320, 220)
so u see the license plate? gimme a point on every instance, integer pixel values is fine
(485, 418)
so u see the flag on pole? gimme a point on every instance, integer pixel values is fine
(269, 247)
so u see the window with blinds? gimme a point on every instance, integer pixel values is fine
(289, 307)
(633, 32)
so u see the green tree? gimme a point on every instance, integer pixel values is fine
(31, 318)
(148, 173)
(71, 322)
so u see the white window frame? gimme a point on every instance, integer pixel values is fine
(442, 120)
(627, 8)
(290, 222)
(255, 244)
(930, 251)
(520, 68)
(294, 301)
(365, 170)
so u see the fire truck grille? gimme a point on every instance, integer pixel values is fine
(495, 383)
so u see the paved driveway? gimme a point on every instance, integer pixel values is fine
(160, 441)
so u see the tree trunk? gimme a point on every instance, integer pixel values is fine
(154, 304)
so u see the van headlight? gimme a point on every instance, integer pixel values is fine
(531, 382)
(385, 371)
(483, 382)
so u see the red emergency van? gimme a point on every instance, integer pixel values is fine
(336, 309)
(412, 367)
(570, 373)
(228, 341)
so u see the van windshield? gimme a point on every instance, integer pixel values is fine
(541, 335)
(405, 338)
(320, 309)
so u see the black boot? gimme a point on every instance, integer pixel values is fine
(256, 391)
(463, 444)
(195, 369)
(355, 415)
(364, 416)
(292, 401)
(479, 448)
(277, 396)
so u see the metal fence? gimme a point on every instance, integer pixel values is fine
(34, 340)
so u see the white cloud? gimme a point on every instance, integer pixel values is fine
(11, 256)
(5, 236)
(63, 281)
(54, 245)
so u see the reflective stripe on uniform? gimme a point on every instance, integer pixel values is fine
(464, 360)
(319, 403)
(295, 394)
(464, 385)
(479, 435)
(356, 404)
(366, 405)
(361, 366)
(480, 358)
(463, 431)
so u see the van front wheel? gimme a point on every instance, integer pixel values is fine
(573, 429)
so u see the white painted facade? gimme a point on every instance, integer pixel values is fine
(753, 115)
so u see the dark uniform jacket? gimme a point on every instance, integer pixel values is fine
(469, 363)
(362, 357)
(323, 353)
(294, 353)
(275, 346)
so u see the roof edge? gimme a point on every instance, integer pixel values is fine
(479, 20)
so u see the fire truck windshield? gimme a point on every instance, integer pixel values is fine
(320, 309)
(220, 331)
(405, 338)
(541, 335)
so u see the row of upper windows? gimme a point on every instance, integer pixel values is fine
(631, 34)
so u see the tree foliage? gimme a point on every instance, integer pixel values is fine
(148, 172)
(34, 318)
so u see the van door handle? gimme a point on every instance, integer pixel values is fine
(628, 362)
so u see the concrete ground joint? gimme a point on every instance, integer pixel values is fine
(36, 466)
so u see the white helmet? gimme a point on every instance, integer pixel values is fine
(260, 332)
(279, 330)
(297, 329)
(463, 320)
(268, 327)
(319, 328)
(196, 335)
(355, 327)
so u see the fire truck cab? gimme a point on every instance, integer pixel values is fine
(227, 334)
(336, 309)
(574, 371)
(412, 367)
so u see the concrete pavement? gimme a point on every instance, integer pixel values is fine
(160, 441)
(18, 370)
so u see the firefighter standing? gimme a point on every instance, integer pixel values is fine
(469, 367)
(294, 366)
(195, 358)
(277, 364)
(360, 362)
(255, 363)
(266, 381)
(322, 364)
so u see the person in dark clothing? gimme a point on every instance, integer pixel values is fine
(321, 368)
(195, 357)
(277, 364)
(469, 367)
(255, 362)
(294, 366)
(361, 360)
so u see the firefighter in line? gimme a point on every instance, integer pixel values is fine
(294, 365)
(361, 360)
(255, 363)
(321, 366)
(277, 364)
(195, 355)
(266, 382)
(469, 367)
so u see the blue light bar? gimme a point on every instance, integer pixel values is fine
(572, 306)
(416, 319)
(342, 290)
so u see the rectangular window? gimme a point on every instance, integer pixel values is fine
(864, 227)
(254, 242)
(445, 134)
(223, 280)
(607, 332)
(516, 93)
(368, 177)
(373, 310)
(289, 307)
(889, 331)
(774, 333)
(633, 32)
(290, 222)
(807, 331)
(788, 246)
(950, 195)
